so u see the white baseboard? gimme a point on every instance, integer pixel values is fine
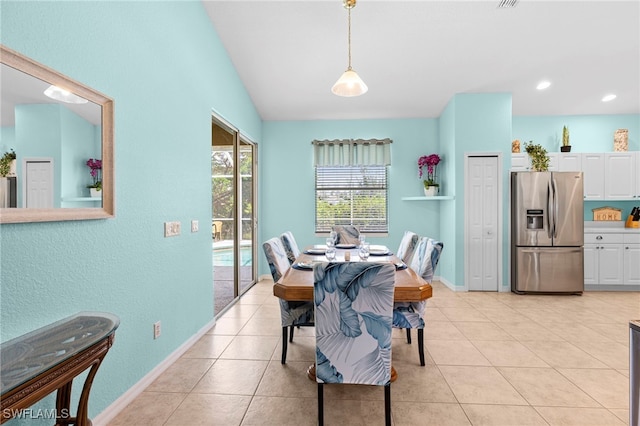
(449, 284)
(109, 413)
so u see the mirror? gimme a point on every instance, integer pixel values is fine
(53, 141)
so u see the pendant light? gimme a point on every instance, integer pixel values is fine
(349, 84)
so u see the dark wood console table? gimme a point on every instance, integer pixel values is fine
(48, 359)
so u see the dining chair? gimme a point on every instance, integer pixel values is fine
(407, 246)
(347, 234)
(292, 313)
(410, 315)
(290, 246)
(354, 310)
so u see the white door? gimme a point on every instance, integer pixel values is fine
(631, 264)
(619, 182)
(482, 223)
(593, 168)
(38, 191)
(610, 263)
(591, 273)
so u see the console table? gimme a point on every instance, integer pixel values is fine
(48, 359)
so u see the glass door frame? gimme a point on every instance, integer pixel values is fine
(240, 140)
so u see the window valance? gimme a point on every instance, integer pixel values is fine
(352, 152)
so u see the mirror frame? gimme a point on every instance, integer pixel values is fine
(22, 215)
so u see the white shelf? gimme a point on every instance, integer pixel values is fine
(434, 198)
(83, 199)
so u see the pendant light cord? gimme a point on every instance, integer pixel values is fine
(349, 37)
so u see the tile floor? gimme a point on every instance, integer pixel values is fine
(492, 359)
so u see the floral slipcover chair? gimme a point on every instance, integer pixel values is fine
(290, 246)
(354, 309)
(411, 314)
(292, 313)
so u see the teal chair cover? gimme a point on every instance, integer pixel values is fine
(290, 246)
(347, 234)
(410, 315)
(292, 313)
(407, 246)
(354, 309)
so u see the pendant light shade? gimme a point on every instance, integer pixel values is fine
(350, 83)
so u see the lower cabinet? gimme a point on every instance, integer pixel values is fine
(612, 259)
(631, 259)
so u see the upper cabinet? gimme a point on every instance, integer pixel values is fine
(607, 176)
(621, 180)
(593, 171)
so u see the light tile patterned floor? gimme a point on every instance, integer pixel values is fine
(492, 359)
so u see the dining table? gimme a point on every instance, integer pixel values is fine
(297, 283)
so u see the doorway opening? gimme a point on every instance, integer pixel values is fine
(233, 224)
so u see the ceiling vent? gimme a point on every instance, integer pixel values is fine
(505, 4)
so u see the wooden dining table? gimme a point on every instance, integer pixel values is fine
(297, 284)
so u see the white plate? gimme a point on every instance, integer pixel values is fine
(304, 265)
(314, 250)
(345, 246)
(378, 252)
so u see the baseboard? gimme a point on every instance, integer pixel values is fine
(449, 284)
(609, 287)
(109, 413)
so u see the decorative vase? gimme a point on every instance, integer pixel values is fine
(430, 191)
(95, 193)
(621, 140)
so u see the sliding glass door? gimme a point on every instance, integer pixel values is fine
(234, 217)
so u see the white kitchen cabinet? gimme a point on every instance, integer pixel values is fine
(631, 261)
(603, 258)
(593, 166)
(568, 162)
(620, 172)
(520, 162)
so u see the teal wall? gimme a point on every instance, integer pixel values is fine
(166, 69)
(287, 176)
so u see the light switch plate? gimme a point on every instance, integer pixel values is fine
(171, 229)
(194, 226)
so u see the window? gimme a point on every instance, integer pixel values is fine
(352, 195)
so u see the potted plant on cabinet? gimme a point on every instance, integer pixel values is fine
(566, 147)
(431, 185)
(538, 155)
(7, 163)
(96, 174)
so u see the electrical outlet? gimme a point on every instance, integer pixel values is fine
(171, 229)
(194, 226)
(156, 330)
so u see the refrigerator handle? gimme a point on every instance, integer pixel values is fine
(555, 206)
(549, 210)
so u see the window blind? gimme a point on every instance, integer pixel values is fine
(352, 195)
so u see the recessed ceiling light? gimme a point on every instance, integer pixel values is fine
(609, 97)
(543, 85)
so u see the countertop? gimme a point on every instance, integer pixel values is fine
(609, 226)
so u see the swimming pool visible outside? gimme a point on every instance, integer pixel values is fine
(224, 256)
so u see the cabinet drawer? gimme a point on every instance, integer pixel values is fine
(632, 238)
(603, 238)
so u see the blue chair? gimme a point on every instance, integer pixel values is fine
(410, 315)
(354, 310)
(292, 313)
(347, 234)
(407, 246)
(290, 246)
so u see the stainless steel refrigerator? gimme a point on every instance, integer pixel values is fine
(547, 232)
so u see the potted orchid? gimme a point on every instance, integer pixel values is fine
(431, 163)
(95, 166)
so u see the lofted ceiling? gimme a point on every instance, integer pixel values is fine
(416, 55)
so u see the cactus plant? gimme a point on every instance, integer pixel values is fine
(565, 136)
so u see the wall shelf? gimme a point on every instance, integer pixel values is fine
(434, 198)
(83, 199)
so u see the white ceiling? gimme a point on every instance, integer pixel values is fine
(416, 55)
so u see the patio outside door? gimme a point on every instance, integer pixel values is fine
(234, 219)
